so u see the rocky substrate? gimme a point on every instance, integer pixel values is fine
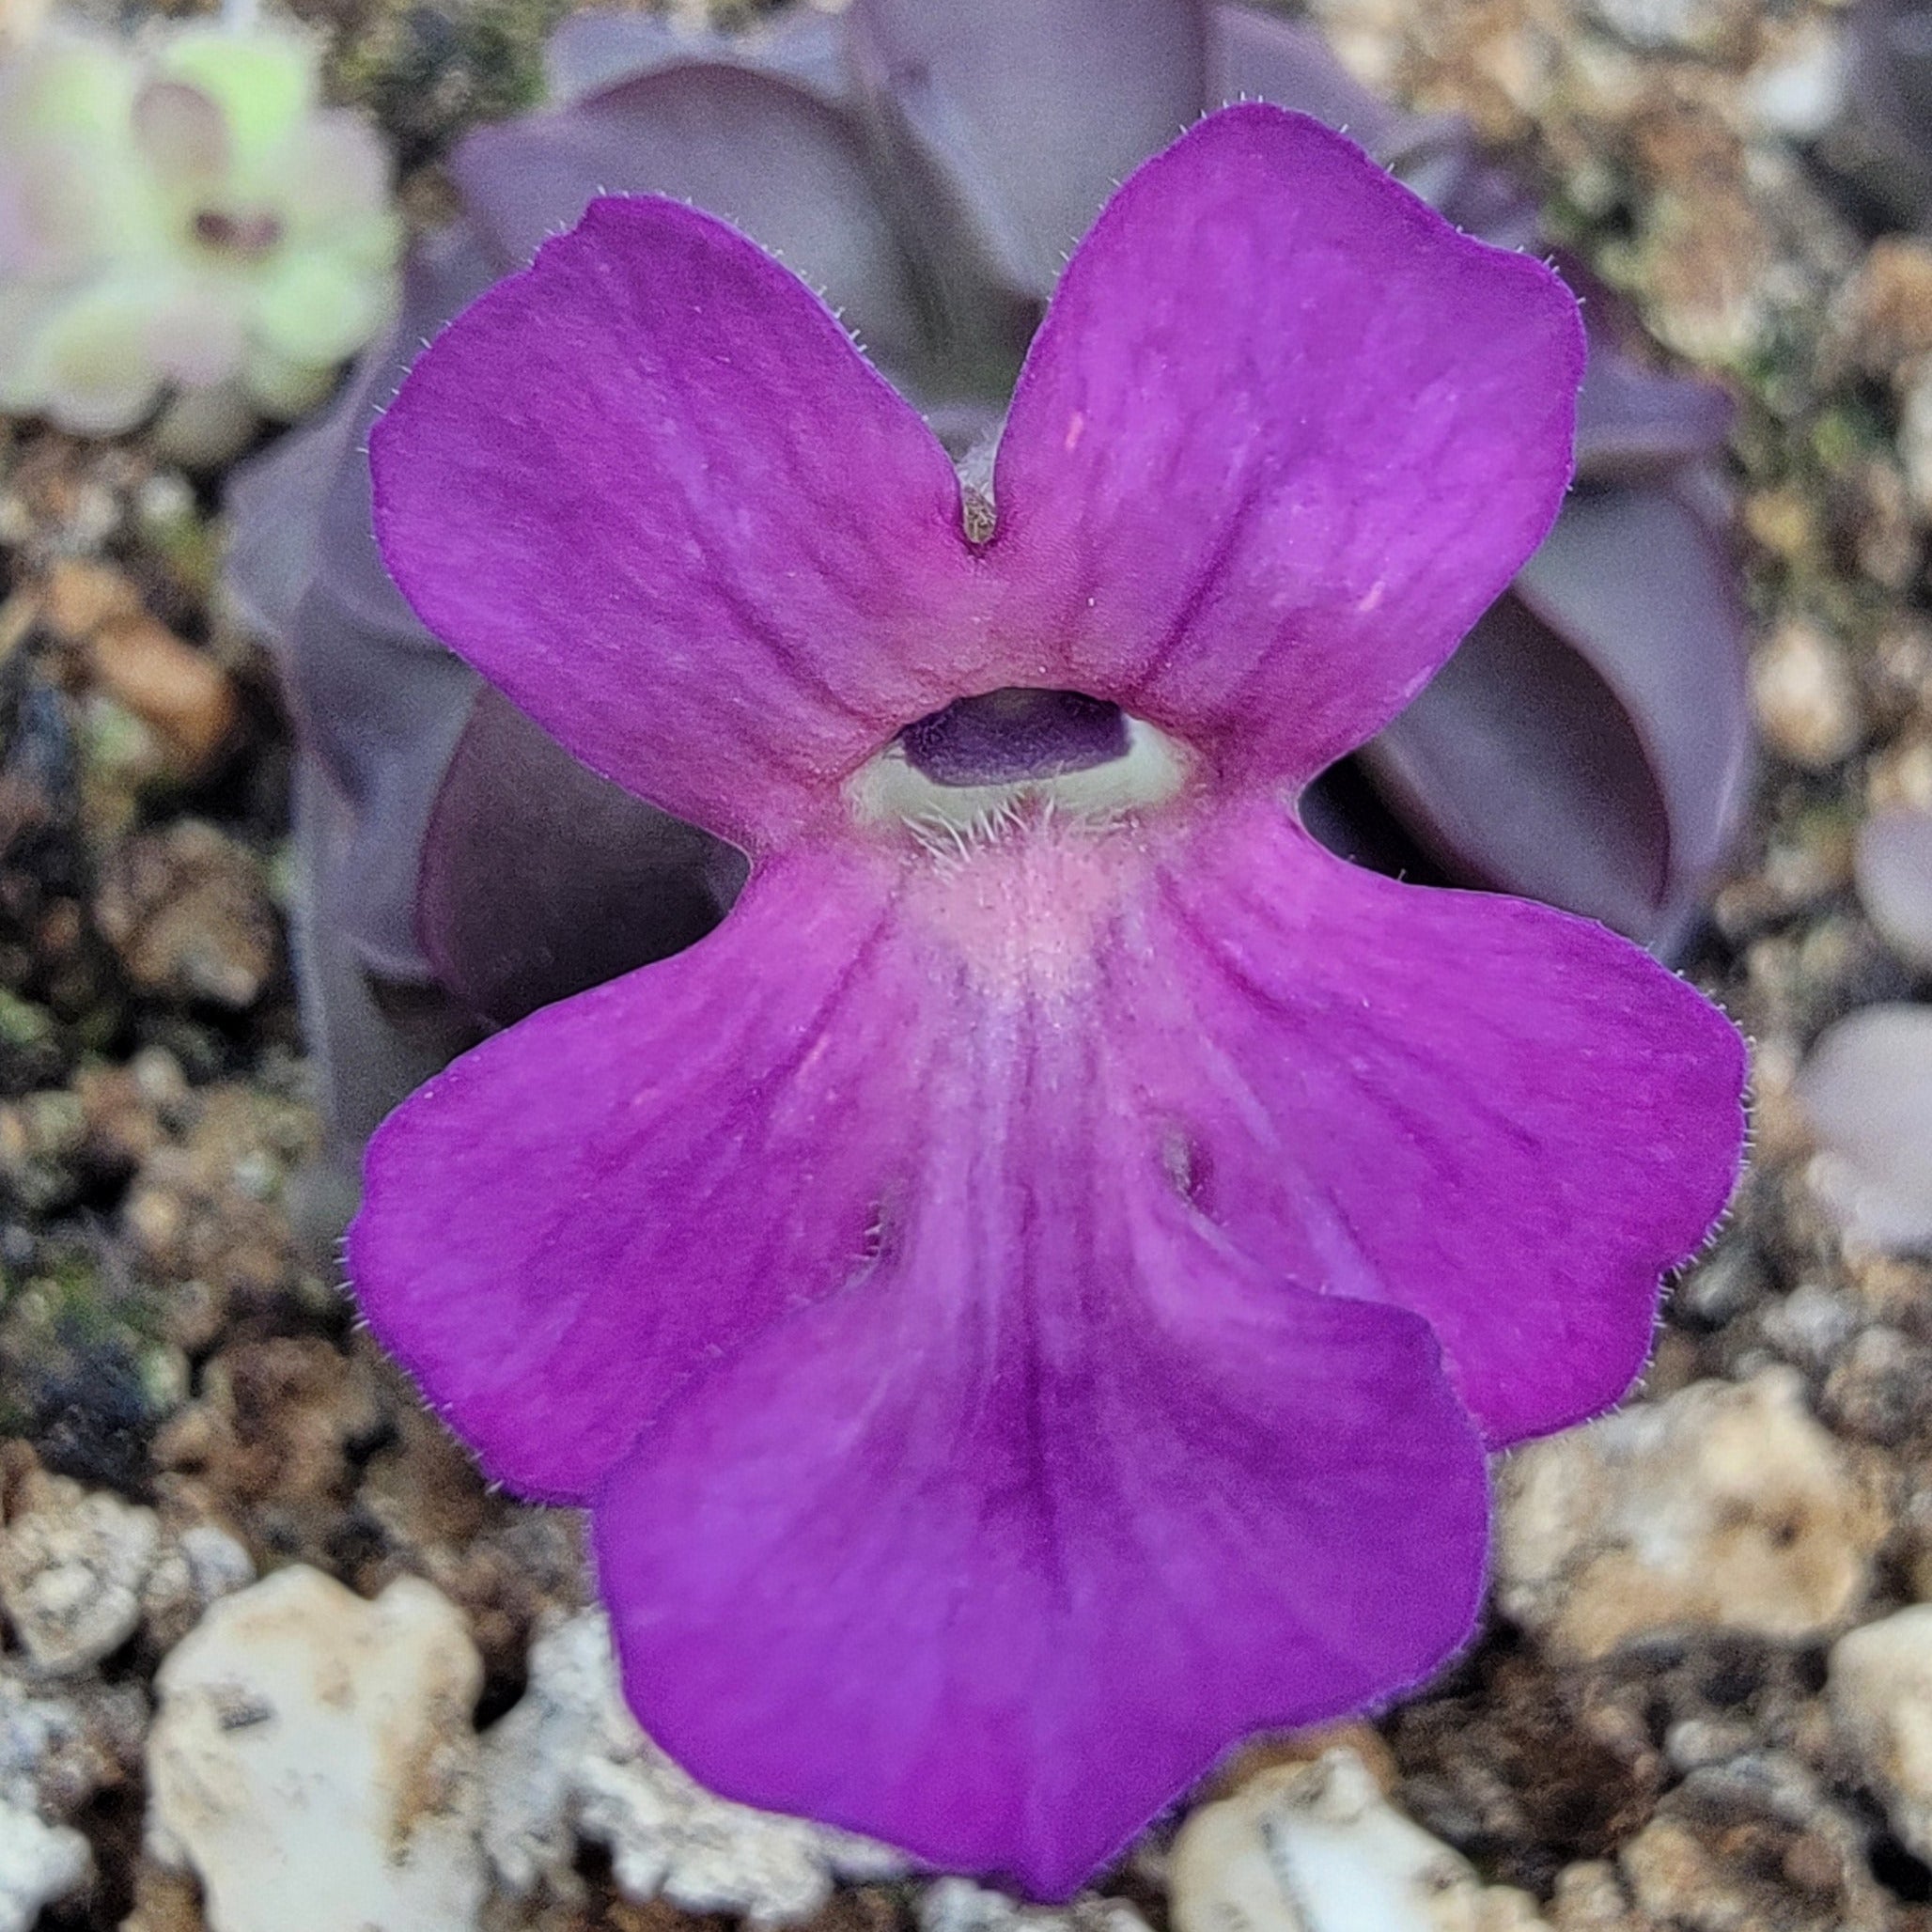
(271, 1655)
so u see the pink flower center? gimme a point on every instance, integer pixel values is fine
(245, 234)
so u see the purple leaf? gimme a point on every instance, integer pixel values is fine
(1589, 742)
(782, 163)
(1894, 863)
(1029, 115)
(376, 700)
(596, 49)
(541, 880)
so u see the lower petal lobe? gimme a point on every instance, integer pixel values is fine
(1501, 1116)
(573, 1219)
(956, 1479)
(991, 1555)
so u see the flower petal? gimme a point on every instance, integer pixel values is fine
(1501, 1116)
(264, 81)
(332, 179)
(87, 362)
(1282, 437)
(995, 1555)
(196, 334)
(1032, 113)
(1025, 1260)
(319, 305)
(582, 1212)
(649, 490)
(181, 134)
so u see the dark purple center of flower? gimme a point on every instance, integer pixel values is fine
(247, 235)
(1006, 737)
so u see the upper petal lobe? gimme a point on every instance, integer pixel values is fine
(651, 492)
(1282, 438)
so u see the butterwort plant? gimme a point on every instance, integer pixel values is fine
(928, 169)
(1027, 1299)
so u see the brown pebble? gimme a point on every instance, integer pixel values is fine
(1885, 313)
(180, 692)
(187, 910)
(77, 597)
(1280, 1748)
(1806, 698)
(164, 1901)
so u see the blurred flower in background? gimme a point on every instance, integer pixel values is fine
(185, 227)
(1589, 745)
(20, 20)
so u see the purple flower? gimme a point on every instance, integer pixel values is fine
(1026, 1299)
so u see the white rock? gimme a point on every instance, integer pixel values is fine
(569, 1763)
(1806, 696)
(1880, 1692)
(1799, 90)
(61, 1741)
(40, 1864)
(958, 1904)
(71, 1567)
(195, 1568)
(313, 1760)
(1892, 865)
(1725, 1506)
(32, 1728)
(1866, 1092)
(1316, 1847)
(1813, 1326)
(1659, 23)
